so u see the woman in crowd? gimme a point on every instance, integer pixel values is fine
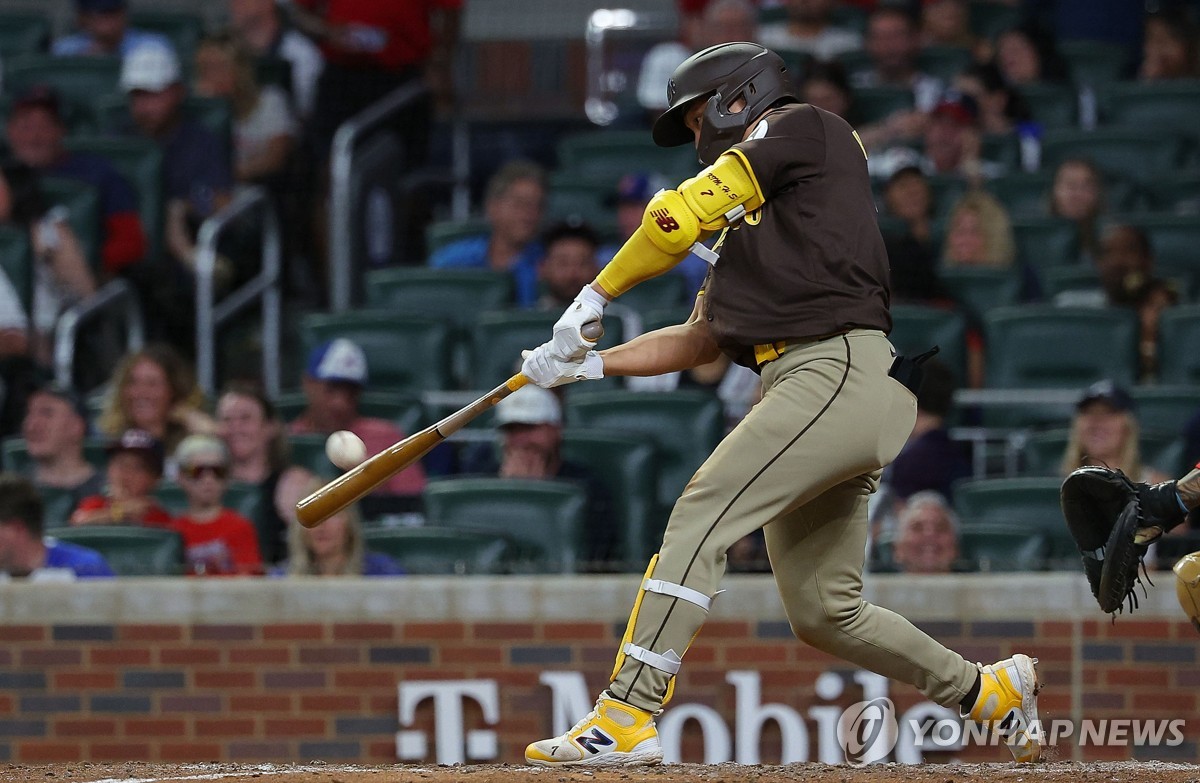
(1026, 55)
(1078, 195)
(155, 390)
(333, 548)
(258, 454)
(1104, 431)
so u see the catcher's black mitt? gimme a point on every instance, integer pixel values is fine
(1114, 521)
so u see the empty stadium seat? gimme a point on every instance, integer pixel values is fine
(684, 425)
(544, 517)
(1170, 106)
(82, 202)
(1042, 454)
(1024, 194)
(404, 410)
(1165, 408)
(978, 289)
(129, 550)
(917, 328)
(1093, 63)
(627, 467)
(988, 20)
(1178, 193)
(78, 80)
(445, 232)
(1178, 336)
(1131, 153)
(308, 451)
(1031, 504)
(991, 548)
(1002, 148)
(23, 33)
(140, 162)
(603, 157)
(671, 316)
(436, 550)
(457, 296)
(944, 62)
(16, 259)
(403, 353)
(946, 191)
(1176, 243)
(587, 201)
(499, 337)
(1040, 346)
(1052, 105)
(1046, 241)
(875, 104)
(1068, 277)
(666, 291)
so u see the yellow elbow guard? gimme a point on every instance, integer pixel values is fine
(639, 259)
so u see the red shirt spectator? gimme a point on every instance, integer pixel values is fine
(225, 544)
(380, 33)
(135, 463)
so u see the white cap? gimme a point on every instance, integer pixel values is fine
(529, 405)
(151, 67)
(338, 360)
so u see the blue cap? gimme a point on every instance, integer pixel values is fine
(339, 360)
(1108, 392)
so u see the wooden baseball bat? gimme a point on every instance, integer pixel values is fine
(354, 484)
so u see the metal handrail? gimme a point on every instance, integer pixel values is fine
(265, 286)
(113, 294)
(342, 261)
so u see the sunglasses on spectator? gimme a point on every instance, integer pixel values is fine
(195, 472)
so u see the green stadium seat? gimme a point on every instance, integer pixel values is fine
(1041, 346)
(586, 201)
(977, 289)
(78, 80)
(603, 157)
(1130, 153)
(308, 451)
(1178, 194)
(684, 425)
(404, 410)
(16, 260)
(1094, 63)
(1024, 194)
(1029, 503)
(1042, 454)
(1176, 241)
(626, 465)
(544, 517)
(1052, 105)
(131, 551)
(944, 62)
(946, 191)
(1164, 106)
(850, 17)
(441, 233)
(23, 33)
(988, 20)
(183, 30)
(852, 61)
(140, 162)
(57, 505)
(1000, 548)
(658, 293)
(453, 295)
(1069, 277)
(404, 353)
(1046, 241)
(917, 328)
(875, 104)
(83, 203)
(1178, 336)
(499, 337)
(443, 551)
(1002, 148)
(657, 319)
(1165, 408)
(14, 456)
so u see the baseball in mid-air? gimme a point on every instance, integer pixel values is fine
(345, 449)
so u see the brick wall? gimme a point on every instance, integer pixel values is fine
(304, 690)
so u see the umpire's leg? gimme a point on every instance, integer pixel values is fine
(817, 554)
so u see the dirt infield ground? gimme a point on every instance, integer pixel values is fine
(1107, 772)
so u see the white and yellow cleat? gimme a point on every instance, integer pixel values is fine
(613, 733)
(1007, 704)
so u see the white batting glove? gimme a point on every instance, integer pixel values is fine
(543, 369)
(568, 343)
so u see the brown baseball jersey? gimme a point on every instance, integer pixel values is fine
(810, 262)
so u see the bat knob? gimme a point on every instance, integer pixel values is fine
(592, 331)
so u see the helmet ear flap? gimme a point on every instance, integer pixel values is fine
(720, 129)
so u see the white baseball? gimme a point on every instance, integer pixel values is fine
(345, 449)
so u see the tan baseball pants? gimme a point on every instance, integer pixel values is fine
(801, 464)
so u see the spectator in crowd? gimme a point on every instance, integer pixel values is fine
(927, 536)
(1126, 268)
(372, 49)
(16, 369)
(947, 23)
(54, 429)
(1169, 46)
(1104, 431)
(530, 426)
(826, 86)
(516, 196)
(1027, 55)
(261, 26)
(1077, 194)
(893, 43)
(569, 265)
(36, 132)
(155, 390)
(809, 29)
(264, 130)
(135, 464)
(217, 540)
(912, 256)
(334, 380)
(197, 178)
(104, 30)
(951, 145)
(930, 460)
(1001, 107)
(333, 548)
(61, 273)
(258, 455)
(979, 233)
(24, 552)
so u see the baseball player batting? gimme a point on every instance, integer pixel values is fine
(797, 291)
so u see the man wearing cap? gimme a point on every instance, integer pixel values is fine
(104, 30)
(24, 551)
(570, 262)
(135, 464)
(334, 380)
(36, 132)
(54, 429)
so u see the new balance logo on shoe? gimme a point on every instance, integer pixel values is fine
(596, 740)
